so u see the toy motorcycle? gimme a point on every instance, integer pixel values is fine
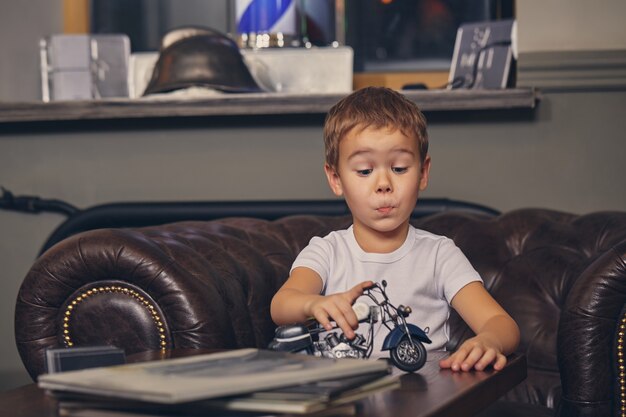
(404, 340)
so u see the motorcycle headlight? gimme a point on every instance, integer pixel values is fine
(405, 310)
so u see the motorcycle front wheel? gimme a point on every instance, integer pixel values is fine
(408, 356)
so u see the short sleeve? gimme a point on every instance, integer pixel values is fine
(453, 270)
(316, 256)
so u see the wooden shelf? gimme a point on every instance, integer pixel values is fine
(252, 104)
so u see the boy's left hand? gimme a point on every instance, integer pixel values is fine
(478, 353)
(496, 332)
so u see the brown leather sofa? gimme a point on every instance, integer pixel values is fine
(209, 284)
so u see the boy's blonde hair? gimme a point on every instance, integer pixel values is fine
(376, 107)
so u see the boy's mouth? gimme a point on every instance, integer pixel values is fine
(384, 210)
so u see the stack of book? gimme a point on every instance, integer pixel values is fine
(240, 381)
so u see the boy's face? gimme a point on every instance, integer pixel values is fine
(380, 176)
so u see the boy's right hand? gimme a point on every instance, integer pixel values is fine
(338, 308)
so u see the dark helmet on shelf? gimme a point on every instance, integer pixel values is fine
(200, 57)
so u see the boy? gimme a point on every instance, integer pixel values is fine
(377, 159)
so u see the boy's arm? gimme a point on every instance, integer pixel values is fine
(497, 334)
(299, 299)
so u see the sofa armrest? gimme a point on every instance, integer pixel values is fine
(591, 339)
(184, 285)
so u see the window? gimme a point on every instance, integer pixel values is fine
(386, 35)
(406, 35)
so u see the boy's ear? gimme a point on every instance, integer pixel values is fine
(333, 180)
(425, 172)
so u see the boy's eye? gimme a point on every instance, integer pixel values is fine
(364, 172)
(399, 170)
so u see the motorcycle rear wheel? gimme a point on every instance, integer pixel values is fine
(408, 356)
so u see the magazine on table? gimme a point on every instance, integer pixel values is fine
(72, 411)
(274, 401)
(206, 376)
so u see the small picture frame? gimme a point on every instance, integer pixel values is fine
(482, 55)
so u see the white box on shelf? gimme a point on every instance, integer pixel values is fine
(140, 67)
(302, 70)
(281, 70)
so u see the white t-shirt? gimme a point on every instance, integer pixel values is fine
(424, 273)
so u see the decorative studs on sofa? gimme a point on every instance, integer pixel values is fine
(621, 367)
(67, 315)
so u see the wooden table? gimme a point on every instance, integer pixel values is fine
(430, 392)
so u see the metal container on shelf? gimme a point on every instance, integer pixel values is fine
(84, 67)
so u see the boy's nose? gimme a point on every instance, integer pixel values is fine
(384, 185)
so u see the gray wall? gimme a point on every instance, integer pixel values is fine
(571, 25)
(567, 156)
(22, 25)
